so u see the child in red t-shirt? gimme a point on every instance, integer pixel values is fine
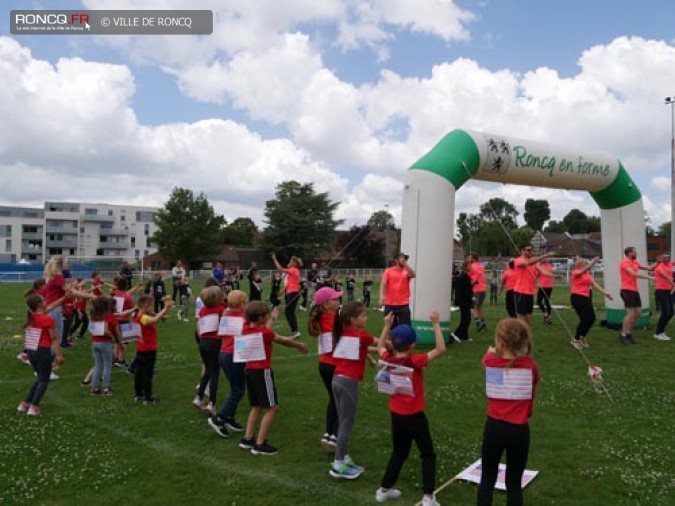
(42, 345)
(320, 325)
(511, 377)
(262, 392)
(235, 372)
(408, 421)
(104, 331)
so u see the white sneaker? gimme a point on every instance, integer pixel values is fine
(198, 403)
(661, 337)
(295, 335)
(457, 339)
(382, 494)
(53, 376)
(430, 501)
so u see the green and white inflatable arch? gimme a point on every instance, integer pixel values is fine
(428, 220)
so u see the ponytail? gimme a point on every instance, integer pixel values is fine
(343, 317)
(33, 303)
(314, 321)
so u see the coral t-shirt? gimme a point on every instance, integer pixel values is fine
(545, 281)
(477, 275)
(581, 283)
(403, 404)
(397, 289)
(629, 281)
(526, 281)
(293, 280)
(665, 268)
(509, 279)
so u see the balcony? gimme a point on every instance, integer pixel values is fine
(114, 245)
(61, 244)
(31, 250)
(62, 230)
(31, 236)
(98, 218)
(113, 231)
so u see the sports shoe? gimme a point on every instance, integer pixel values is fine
(53, 376)
(344, 472)
(303, 308)
(661, 337)
(95, 391)
(295, 335)
(85, 383)
(109, 392)
(23, 407)
(232, 425)
(457, 339)
(264, 449)
(130, 371)
(151, 401)
(577, 344)
(631, 339)
(219, 429)
(198, 403)
(138, 399)
(247, 443)
(623, 339)
(34, 411)
(353, 464)
(327, 443)
(430, 501)
(382, 494)
(548, 320)
(23, 357)
(210, 409)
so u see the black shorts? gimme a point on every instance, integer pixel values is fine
(631, 299)
(524, 303)
(479, 299)
(262, 392)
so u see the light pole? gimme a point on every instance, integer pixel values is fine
(671, 102)
(386, 236)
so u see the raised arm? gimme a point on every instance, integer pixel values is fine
(439, 347)
(384, 335)
(279, 267)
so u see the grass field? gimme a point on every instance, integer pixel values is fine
(589, 450)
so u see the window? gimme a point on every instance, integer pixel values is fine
(99, 252)
(137, 253)
(123, 218)
(5, 212)
(110, 213)
(145, 216)
(8, 245)
(146, 229)
(27, 229)
(91, 212)
(30, 214)
(133, 242)
(5, 230)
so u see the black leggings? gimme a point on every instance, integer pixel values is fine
(404, 430)
(462, 330)
(584, 308)
(41, 360)
(291, 302)
(209, 349)
(326, 371)
(544, 300)
(497, 437)
(510, 303)
(665, 303)
(145, 370)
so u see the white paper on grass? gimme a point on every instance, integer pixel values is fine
(348, 348)
(119, 304)
(474, 471)
(394, 379)
(325, 342)
(130, 331)
(32, 338)
(97, 328)
(231, 326)
(208, 323)
(249, 348)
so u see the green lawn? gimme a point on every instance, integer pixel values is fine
(589, 450)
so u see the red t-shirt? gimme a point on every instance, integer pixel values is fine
(54, 289)
(44, 322)
(207, 311)
(545, 281)
(354, 369)
(68, 307)
(326, 325)
(228, 341)
(402, 404)
(111, 323)
(148, 340)
(268, 340)
(581, 283)
(526, 281)
(509, 278)
(397, 289)
(95, 283)
(628, 281)
(128, 303)
(293, 280)
(477, 275)
(512, 411)
(667, 269)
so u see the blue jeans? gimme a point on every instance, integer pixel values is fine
(102, 364)
(57, 314)
(235, 374)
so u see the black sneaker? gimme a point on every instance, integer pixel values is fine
(623, 339)
(151, 401)
(247, 443)
(264, 449)
(108, 391)
(630, 339)
(219, 429)
(232, 425)
(96, 391)
(85, 383)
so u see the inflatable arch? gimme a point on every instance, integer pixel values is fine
(428, 220)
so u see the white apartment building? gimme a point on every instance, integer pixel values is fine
(75, 229)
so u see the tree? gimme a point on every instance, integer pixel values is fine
(381, 220)
(188, 227)
(299, 221)
(537, 212)
(664, 230)
(497, 209)
(241, 232)
(555, 226)
(468, 226)
(576, 222)
(361, 247)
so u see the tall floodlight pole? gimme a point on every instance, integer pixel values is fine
(671, 102)
(386, 237)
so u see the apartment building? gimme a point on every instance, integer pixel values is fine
(75, 230)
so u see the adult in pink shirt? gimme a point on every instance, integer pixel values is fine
(292, 294)
(526, 281)
(395, 289)
(580, 298)
(664, 289)
(508, 283)
(545, 275)
(629, 269)
(477, 276)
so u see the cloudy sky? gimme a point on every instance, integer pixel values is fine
(346, 94)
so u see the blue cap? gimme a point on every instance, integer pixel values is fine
(403, 335)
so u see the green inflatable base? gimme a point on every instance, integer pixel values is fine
(425, 332)
(617, 315)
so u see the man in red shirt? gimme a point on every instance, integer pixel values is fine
(477, 276)
(629, 269)
(526, 281)
(395, 289)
